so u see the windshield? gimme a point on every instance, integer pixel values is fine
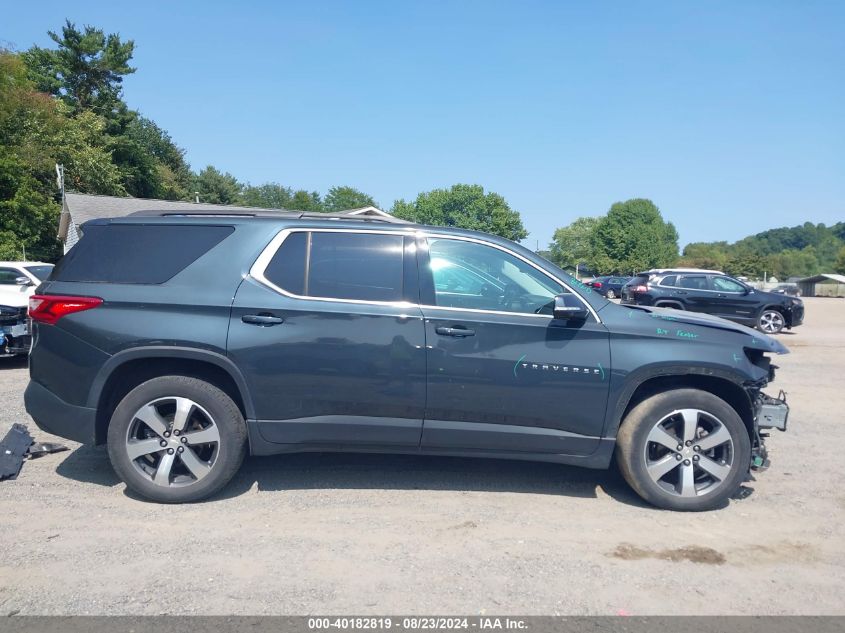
(42, 272)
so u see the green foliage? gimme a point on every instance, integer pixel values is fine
(572, 245)
(344, 198)
(633, 237)
(86, 70)
(270, 195)
(306, 201)
(840, 261)
(215, 187)
(465, 206)
(800, 251)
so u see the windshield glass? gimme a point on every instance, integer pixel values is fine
(42, 272)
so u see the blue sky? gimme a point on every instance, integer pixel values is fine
(729, 115)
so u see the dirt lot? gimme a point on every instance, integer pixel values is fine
(388, 535)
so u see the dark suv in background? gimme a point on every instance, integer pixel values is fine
(184, 342)
(713, 292)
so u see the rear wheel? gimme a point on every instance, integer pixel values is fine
(610, 294)
(771, 322)
(684, 449)
(176, 439)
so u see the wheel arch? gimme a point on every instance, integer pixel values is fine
(126, 370)
(787, 314)
(669, 303)
(723, 386)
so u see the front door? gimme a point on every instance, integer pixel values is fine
(331, 348)
(503, 375)
(732, 300)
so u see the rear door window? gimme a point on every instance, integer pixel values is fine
(693, 282)
(340, 265)
(137, 253)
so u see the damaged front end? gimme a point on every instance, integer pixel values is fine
(15, 335)
(768, 412)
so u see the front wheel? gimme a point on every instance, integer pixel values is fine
(176, 439)
(771, 322)
(684, 449)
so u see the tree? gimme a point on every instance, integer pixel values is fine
(712, 256)
(306, 201)
(840, 261)
(86, 70)
(343, 198)
(633, 236)
(215, 187)
(465, 206)
(572, 245)
(270, 195)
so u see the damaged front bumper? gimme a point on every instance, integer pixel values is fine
(769, 413)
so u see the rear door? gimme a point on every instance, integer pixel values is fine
(331, 340)
(693, 291)
(503, 375)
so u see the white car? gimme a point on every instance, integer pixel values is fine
(18, 281)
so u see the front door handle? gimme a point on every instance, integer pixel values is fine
(458, 332)
(262, 319)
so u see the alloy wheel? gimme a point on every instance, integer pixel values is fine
(611, 294)
(689, 453)
(771, 322)
(173, 441)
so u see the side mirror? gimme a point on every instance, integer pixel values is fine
(23, 281)
(569, 308)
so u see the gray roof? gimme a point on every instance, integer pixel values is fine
(823, 277)
(80, 207)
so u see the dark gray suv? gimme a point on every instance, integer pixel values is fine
(182, 342)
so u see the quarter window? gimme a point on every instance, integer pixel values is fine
(474, 276)
(669, 280)
(354, 266)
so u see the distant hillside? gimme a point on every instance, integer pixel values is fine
(799, 251)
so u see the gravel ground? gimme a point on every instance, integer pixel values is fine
(366, 534)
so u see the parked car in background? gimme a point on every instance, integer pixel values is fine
(715, 293)
(608, 286)
(787, 289)
(18, 281)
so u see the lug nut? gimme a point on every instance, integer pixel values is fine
(680, 447)
(176, 432)
(696, 448)
(695, 458)
(181, 449)
(689, 442)
(686, 461)
(678, 456)
(167, 434)
(184, 440)
(162, 443)
(170, 451)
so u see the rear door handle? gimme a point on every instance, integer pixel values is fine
(458, 332)
(262, 319)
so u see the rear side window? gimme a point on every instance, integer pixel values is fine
(355, 266)
(669, 280)
(137, 253)
(639, 280)
(693, 282)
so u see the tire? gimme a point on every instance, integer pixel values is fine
(610, 294)
(144, 440)
(771, 321)
(688, 484)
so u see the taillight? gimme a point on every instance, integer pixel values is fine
(51, 308)
(595, 284)
(640, 288)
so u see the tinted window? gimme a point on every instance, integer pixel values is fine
(670, 280)
(136, 253)
(42, 272)
(358, 266)
(287, 268)
(693, 282)
(8, 276)
(362, 266)
(475, 276)
(726, 284)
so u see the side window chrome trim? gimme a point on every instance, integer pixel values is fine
(260, 266)
(427, 235)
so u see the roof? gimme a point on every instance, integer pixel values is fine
(25, 264)
(660, 271)
(80, 207)
(823, 277)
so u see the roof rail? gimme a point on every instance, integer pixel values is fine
(260, 213)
